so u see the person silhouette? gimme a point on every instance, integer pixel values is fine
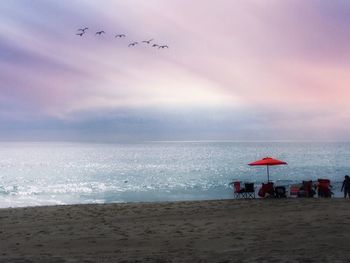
(346, 186)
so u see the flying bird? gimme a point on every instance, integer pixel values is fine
(100, 32)
(132, 44)
(164, 46)
(147, 41)
(121, 35)
(80, 34)
(83, 29)
(155, 45)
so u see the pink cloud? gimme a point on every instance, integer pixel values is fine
(288, 57)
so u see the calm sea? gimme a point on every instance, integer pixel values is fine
(70, 173)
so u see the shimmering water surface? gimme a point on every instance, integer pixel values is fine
(66, 173)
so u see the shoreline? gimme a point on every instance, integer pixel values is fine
(175, 202)
(271, 230)
(336, 195)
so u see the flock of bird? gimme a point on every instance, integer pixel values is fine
(82, 31)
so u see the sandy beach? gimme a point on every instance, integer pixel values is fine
(290, 230)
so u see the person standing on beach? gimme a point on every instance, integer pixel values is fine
(346, 186)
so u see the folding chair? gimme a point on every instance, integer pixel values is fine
(266, 190)
(324, 188)
(280, 192)
(308, 189)
(294, 190)
(249, 190)
(238, 192)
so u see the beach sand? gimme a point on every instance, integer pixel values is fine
(289, 230)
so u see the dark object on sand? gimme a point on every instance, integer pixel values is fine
(267, 190)
(324, 188)
(346, 186)
(238, 191)
(306, 189)
(280, 192)
(247, 192)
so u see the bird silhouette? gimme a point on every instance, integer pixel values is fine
(155, 45)
(100, 32)
(164, 46)
(83, 29)
(132, 44)
(147, 41)
(80, 34)
(120, 35)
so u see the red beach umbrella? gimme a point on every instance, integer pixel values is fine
(267, 161)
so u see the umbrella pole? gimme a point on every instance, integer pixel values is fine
(268, 173)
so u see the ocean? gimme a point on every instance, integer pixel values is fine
(33, 174)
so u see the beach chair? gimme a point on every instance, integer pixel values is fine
(266, 190)
(307, 187)
(249, 190)
(324, 188)
(238, 192)
(294, 190)
(280, 192)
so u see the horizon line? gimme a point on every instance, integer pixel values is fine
(173, 141)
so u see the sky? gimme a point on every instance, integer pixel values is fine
(234, 70)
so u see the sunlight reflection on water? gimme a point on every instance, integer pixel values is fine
(65, 173)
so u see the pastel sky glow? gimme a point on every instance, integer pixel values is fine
(235, 70)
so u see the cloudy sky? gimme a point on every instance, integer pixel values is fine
(234, 70)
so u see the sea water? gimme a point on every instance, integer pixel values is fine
(70, 173)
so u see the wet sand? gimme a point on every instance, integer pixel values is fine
(289, 230)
